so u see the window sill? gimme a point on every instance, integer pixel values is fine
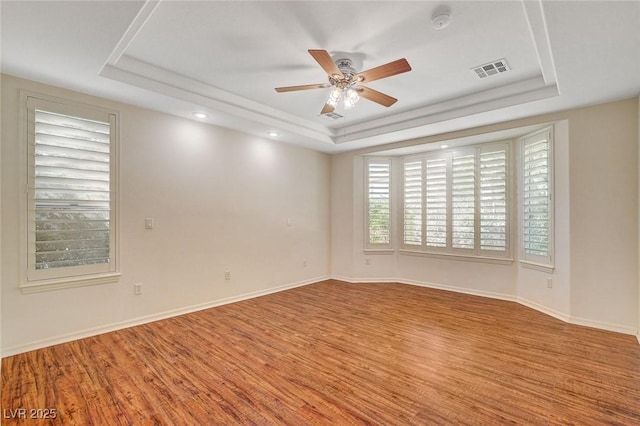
(537, 266)
(69, 282)
(379, 251)
(449, 256)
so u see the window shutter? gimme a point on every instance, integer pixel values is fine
(493, 199)
(455, 202)
(71, 191)
(436, 202)
(463, 201)
(412, 211)
(536, 197)
(378, 201)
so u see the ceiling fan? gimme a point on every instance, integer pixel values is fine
(347, 82)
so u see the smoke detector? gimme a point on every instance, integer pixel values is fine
(441, 20)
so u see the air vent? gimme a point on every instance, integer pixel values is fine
(492, 68)
(333, 115)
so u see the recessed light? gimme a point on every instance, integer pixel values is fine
(444, 146)
(273, 134)
(200, 115)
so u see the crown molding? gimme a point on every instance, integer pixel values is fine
(245, 113)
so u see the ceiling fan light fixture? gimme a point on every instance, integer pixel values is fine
(335, 96)
(351, 98)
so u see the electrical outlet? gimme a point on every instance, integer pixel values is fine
(137, 289)
(549, 283)
(304, 263)
(227, 275)
(367, 261)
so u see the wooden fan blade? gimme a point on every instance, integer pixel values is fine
(386, 70)
(305, 87)
(324, 59)
(327, 108)
(375, 96)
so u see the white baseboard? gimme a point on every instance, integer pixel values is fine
(545, 310)
(603, 325)
(365, 280)
(463, 290)
(501, 296)
(88, 332)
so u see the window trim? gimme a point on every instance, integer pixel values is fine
(456, 256)
(529, 261)
(30, 282)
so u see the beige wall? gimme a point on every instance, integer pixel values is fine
(342, 204)
(604, 213)
(220, 201)
(596, 277)
(1, 126)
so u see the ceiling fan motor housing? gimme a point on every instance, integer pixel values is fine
(347, 79)
(345, 65)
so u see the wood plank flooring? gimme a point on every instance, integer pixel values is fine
(336, 353)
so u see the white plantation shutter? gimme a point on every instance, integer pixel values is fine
(493, 199)
(536, 198)
(378, 178)
(463, 199)
(436, 202)
(412, 199)
(70, 187)
(460, 206)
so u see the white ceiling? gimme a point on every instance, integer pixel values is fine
(226, 57)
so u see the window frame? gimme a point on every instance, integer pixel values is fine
(369, 246)
(510, 188)
(403, 199)
(33, 280)
(527, 260)
(459, 153)
(477, 253)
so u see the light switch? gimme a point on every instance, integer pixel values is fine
(148, 223)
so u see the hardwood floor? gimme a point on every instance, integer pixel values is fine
(336, 353)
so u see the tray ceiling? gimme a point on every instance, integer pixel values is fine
(226, 58)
